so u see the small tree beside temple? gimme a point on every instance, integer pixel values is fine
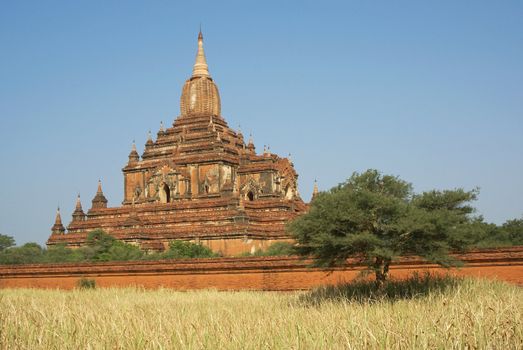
(377, 218)
(6, 242)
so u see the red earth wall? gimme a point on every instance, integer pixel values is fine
(256, 273)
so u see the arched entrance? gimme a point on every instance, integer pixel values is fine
(250, 196)
(165, 194)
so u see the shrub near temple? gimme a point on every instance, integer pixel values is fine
(184, 249)
(104, 247)
(29, 253)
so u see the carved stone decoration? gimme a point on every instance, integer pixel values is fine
(251, 189)
(162, 185)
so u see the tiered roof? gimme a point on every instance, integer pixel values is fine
(199, 136)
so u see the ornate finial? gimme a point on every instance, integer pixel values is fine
(200, 68)
(250, 139)
(149, 137)
(315, 190)
(99, 190)
(289, 158)
(134, 146)
(161, 126)
(78, 202)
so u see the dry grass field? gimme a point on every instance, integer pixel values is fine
(469, 313)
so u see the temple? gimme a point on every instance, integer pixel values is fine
(198, 181)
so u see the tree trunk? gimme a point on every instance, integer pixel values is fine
(381, 270)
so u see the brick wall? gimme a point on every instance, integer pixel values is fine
(261, 273)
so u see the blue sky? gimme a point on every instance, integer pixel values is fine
(429, 91)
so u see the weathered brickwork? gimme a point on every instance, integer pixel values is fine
(276, 273)
(200, 181)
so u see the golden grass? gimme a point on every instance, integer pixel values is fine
(473, 314)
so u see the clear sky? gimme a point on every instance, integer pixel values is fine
(429, 91)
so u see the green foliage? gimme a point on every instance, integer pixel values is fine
(364, 291)
(85, 283)
(184, 249)
(100, 247)
(513, 229)
(6, 242)
(280, 249)
(487, 235)
(60, 254)
(377, 218)
(104, 247)
(29, 253)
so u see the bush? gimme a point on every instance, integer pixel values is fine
(104, 247)
(29, 253)
(279, 248)
(61, 254)
(364, 291)
(86, 283)
(185, 249)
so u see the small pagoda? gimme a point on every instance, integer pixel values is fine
(198, 181)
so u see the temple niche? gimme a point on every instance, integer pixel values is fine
(198, 180)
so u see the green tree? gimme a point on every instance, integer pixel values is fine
(279, 249)
(104, 247)
(6, 242)
(61, 254)
(184, 249)
(514, 231)
(29, 253)
(377, 218)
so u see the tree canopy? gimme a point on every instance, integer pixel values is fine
(377, 218)
(6, 242)
(100, 247)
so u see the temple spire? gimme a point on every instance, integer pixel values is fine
(149, 139)
(58, 228)
(200, 68)
(133, 156)
(99, 200)
(78, 214)
(78, 203)
(58, 219)
(315, 190)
